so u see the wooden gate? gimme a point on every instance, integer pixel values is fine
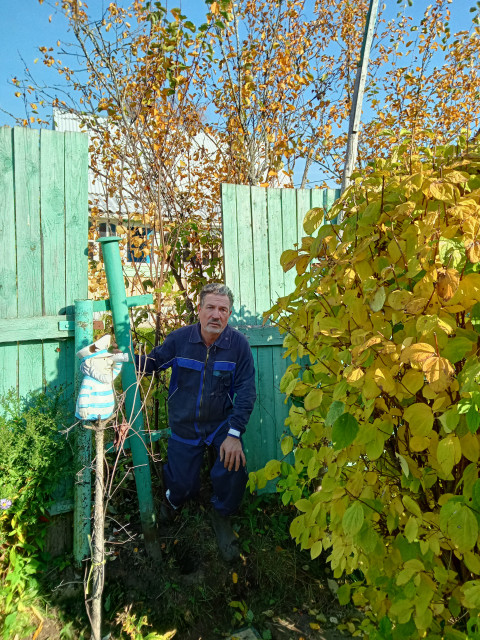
(43, 269)
(258, 225)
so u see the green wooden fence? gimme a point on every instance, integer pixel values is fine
(43, 269)
(258, 225)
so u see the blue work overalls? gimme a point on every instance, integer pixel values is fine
(211, 395)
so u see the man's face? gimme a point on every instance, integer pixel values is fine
(213, 316)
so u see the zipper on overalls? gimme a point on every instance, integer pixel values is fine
(203, 382)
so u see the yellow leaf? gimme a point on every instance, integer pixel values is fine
(470, 446)
(316, 549)
(417, 353)
(399, 299)
(443, 191)
(288, 259)
(234, 578)
(413, 381)
(355, 375)
(302, 264)
(449, 453)
(286, 445)
(369, 343)
(419, 443)
(384, 380)
(313, 399)
(420, 418)
(313, 219)
(314, 625)
(438, 372)
(417, 305)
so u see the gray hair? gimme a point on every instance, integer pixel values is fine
(218, 289)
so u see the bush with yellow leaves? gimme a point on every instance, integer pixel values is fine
(383, 334)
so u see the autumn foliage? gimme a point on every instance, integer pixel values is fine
(383, 335)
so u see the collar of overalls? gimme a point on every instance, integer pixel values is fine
(223, 341)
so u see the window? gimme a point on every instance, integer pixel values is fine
(136, 249)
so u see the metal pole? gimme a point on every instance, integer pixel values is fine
(133, 404)
(83, 443)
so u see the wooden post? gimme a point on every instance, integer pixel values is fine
(98, 540)
(133, 404)
(83, 442)
(361, 77)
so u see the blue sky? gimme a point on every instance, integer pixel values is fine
(25, 26)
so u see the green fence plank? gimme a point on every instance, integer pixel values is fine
(317, 197)
(281, 409)
(303, 205)
(8, 368)
(76, 222)
(276, 229)
(33, 328)
(70, 375)
(253, 437)
(230, 243)
(266, 401)
(27, 222)
(50, 363)
(29, 253)
(52, 201)
(275, 243)
(262, 336)
(329, 197)
(260, 251)
(8, 264)
(30, 368)
(247, 310)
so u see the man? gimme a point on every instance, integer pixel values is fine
(211, 397)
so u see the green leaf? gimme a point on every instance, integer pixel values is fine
(473, 419)
(449, 420)
(475, 317)
(353, 518)
(462, 527)
(378, 299)
(471, 592)
(334, 412)
(344, 431)
(456, 349)
(343, 594)
(451, 252)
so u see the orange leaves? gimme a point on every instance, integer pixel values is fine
(447, 283)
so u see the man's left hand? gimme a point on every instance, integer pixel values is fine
(231, 453)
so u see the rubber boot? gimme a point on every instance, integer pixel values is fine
(226, 538)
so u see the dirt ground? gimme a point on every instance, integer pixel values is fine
(274, 591)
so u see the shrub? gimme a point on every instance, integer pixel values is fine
(383, 333)
(34, 460)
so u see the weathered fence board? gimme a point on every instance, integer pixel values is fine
(43, 234)
(258, 225)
